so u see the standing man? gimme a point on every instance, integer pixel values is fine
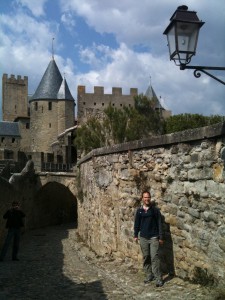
(149, 224)
(15, 220)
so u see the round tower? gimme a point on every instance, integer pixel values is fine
(51, 110)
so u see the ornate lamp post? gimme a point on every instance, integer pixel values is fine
(182, 36)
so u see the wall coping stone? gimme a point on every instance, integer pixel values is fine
(58, 174)
(160, 140)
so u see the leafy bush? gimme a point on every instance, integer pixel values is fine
(120, 125)
(190, 121)
(134, 123)
(90, 135)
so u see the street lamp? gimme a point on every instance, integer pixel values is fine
(182, 36)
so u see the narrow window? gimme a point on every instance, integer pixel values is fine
(13, 140)
(49, 105)
(84, 103)
(3, 139)
(94, 103)
(36, 106)
(50, 125)
(121, 104)
(42, 109)
(103, 104)
(27, 125)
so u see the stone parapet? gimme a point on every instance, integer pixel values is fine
(185, 174)
(156, 141)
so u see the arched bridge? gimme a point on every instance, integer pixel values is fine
(69, 180)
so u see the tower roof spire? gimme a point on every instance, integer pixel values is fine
(53, 48)
(50, 83)
(150, 94)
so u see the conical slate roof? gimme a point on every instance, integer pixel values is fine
(50, 83)
(150, 94)
(64, 92)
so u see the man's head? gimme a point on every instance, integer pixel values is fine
(15, 204)
(146, 198)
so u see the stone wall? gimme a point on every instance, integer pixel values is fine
(46, 199)
(9, 142)
(48, 120)
(43, 125)
(24, 125)
(185, 174)
(93, 104)
(65, 115)
(14, 97)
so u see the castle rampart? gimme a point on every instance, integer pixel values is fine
(90, 104)
(185, 173)
(15, 79)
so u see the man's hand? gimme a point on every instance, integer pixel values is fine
(161, 242)
(136, 239)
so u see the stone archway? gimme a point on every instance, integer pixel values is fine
(53, 204)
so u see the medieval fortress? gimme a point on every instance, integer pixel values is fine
(183, 170)
(42, 127)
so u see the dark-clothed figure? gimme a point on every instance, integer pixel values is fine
(148, 225)
(15, 220)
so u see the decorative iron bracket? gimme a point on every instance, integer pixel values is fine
(202, 69)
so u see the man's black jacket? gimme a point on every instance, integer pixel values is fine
(14, 218)
(148, 223)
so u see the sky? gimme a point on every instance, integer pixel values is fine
(113, 43)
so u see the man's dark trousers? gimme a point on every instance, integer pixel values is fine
(13, 233)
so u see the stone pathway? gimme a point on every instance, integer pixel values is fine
(55, 264)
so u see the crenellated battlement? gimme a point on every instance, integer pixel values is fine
(93, 104)
(15, 79)
(99, 90)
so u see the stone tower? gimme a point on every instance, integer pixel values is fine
(51, 110)
(14, 97)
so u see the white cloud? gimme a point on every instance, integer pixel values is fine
(25, 49)
(68, 20)
(97, 56)
(180, 90)
(144, 23)
(35, 6)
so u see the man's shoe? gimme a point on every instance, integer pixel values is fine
(15, 259)
(159, 283)
(149, 278)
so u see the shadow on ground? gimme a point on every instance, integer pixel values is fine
(45, 272)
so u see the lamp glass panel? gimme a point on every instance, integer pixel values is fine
(187, 36)
(171, 41)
